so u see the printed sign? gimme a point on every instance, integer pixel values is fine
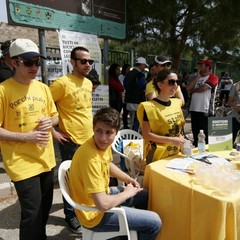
(99, 17)
(69, 40)
(219, 133)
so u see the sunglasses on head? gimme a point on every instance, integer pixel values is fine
(168, 64)
(172, 82)
(84, 61)
(30, 63)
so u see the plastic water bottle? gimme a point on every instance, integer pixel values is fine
(201, 141)
(187, 150)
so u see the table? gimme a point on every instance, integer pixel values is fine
(188, 210)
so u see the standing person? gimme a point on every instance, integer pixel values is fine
(161, 119)
(226, 84)
(26, 118)
(89, 176)
(135, 85)
(115, 87)
(72, 94)
(183, 86)
(234, 102)
(202, 90)
(151, 92)
(125, 69)
(6, 68)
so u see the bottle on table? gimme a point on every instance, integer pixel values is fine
(201, 141)
(186, 149)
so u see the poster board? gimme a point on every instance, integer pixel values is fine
(219, 133)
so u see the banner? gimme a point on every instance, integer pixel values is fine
(100, 98)
(69, 40)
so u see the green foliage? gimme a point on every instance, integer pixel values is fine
(187, 28)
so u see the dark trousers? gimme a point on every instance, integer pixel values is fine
(35, 195)
(67, 151)
(235, 128)
(125, 116)
(199, 121)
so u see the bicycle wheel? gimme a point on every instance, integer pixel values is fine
(219, 112)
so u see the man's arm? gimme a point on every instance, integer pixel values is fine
(105, 202)
(192, 84)
(40, 137)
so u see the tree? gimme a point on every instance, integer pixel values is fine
(177, 28)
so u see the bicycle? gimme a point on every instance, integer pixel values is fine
(223, 110)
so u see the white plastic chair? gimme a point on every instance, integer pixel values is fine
(88, 234)
(127, 134)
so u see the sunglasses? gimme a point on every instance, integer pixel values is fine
(84, 61)
(172, 82)
(30, 63)
(168, 64)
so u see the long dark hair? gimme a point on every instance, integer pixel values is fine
(112, 70)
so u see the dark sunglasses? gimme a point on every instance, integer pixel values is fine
(172, 82)
(84, 61)
(30, 63)
(168, 64)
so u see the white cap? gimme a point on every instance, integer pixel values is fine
(24, 48)
(141, 60)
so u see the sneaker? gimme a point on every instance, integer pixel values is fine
(74, 225)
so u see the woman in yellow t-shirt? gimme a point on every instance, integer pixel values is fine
(161, 119)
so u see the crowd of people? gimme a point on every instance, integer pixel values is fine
(34, 114)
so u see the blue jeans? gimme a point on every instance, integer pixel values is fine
(145, 222)
(67, 151)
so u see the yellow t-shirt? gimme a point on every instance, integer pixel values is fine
(150, 88)
(21, 107)
(89, 173)
(73, 97)
(163, 121)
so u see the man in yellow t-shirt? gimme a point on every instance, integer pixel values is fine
(27, 115)
(72, 94)
(89, 176)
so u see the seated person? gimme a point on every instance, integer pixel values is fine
(89, 176)
(161, 119)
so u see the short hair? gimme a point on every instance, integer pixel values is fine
(125, 67)
(74, 50)
(108, 116)
(161, 76)
(5, 46)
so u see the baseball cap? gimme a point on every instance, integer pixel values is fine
(206, 62)
(5, 47)
(141, 60)
(160, 59)
(24, 48)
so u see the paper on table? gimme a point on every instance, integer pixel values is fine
(218, 160)
(180, 164)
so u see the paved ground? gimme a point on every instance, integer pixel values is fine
(10, 208)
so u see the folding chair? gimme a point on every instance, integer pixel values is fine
(127, 134)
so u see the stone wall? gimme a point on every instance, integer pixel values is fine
(9, 32)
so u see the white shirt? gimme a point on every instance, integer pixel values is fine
(200, 101)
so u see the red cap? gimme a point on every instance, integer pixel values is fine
(206, 62)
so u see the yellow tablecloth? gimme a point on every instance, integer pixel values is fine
(190, 211)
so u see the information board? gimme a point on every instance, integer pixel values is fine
(219, 133)
(99, 17)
